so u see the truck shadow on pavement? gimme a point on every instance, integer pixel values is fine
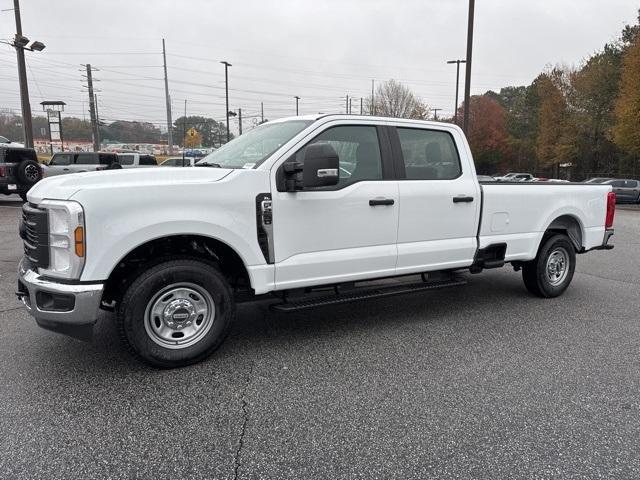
(258, 330)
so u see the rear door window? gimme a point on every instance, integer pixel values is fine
(429, 154)
(86, 159)
(61, 159)
(126, 159)
(618, 183)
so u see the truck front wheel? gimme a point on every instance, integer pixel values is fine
(551, 272)
(176, 313)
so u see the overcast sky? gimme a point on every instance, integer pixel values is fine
(320, 50)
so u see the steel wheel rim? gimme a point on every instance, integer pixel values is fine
(557, 266)
(179, 316)
(31, 172)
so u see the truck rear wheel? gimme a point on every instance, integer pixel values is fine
(551, 272)
(176, 313)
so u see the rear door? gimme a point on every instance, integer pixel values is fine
(439, 200)
(127, 160)
(345, 232)
(86, 162)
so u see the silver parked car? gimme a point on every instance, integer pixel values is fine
(626, 190)
(75, 162)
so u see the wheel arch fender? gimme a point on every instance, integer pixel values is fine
(568, 222)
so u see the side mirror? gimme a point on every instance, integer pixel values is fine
(321, 168)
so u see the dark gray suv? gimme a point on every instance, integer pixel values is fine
(19, 170)
(627, 190)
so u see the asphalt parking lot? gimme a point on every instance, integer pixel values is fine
(482, 381)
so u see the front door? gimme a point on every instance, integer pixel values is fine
(439, 202)
(344, 232)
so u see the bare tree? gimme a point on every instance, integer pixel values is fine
(393, 99)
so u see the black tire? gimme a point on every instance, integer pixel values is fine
(29, 172)
(139, 328)
(538, 274)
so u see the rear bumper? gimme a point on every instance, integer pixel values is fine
(63, 308)
(608, 233)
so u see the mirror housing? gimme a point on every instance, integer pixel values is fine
(321, 168)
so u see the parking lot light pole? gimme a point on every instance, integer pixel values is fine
(297, 100)
(20, 44)
(226, 90)
(455, 110)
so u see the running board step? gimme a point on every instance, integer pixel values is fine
(365, 294)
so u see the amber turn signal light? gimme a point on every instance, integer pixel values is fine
(78, 235)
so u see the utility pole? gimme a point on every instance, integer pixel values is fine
(350, 110)
(239, 121)
(226, 90)
(360, 105)
(184, 130)
(92, 110)
(297, 100)
(435, 113)
(22, 78)
(455, 109)
(373, 103)
(346, 105)
(95, 101)
(168, 101)
(467, 77)
(261, 112)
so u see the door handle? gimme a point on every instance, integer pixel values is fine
(381, 201)
(462, 199)
(65, 169)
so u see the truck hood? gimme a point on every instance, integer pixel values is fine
(63, 187)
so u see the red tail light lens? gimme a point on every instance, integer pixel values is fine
(3, 172)
(611, 210)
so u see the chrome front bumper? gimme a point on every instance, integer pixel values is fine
(71, 309)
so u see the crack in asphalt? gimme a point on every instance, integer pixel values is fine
(245, 419)
(607, 278)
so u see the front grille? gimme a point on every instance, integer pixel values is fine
(34, 231)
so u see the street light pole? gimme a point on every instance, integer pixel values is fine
(467, 76)
(22, 79)
(297, 100)
(226, 89)
(455, 110)
(435, 113)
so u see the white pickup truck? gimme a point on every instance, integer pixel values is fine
(307, 209)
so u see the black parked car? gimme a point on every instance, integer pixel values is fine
(19, 170)
(627, 190)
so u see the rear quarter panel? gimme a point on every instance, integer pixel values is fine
(519, 214)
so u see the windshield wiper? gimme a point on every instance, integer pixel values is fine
(208, 164)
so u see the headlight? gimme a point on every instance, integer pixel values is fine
(66, 239)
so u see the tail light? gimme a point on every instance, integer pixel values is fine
(611, 210)
(3, 171)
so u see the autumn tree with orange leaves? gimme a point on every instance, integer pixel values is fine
(626, 132)
(488, 137)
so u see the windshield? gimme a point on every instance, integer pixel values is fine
(255, 146)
